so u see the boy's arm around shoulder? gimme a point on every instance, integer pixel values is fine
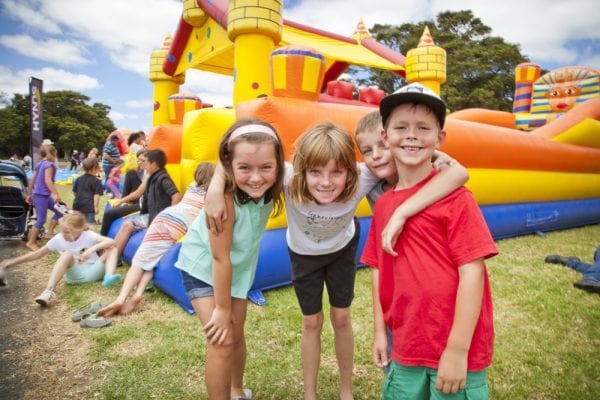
(452, 369)
(441, 185)
(220, 324)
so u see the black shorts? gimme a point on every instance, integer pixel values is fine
(337, 270)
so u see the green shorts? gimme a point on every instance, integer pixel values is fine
(82, 273)
(419, 383)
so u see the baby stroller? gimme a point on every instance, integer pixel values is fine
(15, 212)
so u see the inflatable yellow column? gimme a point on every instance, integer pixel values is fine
(255, 27)
(164, 85)
(427, 63)
(525, 75)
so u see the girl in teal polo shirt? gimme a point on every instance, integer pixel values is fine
(218, 270)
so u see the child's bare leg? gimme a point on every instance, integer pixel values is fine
(131, 280)
(135, 300)
(110, 258)
(311, 353)
(32, 240)
(123, 236)
(217, 371)
(51, 227)
(344, 348)
(239, 348)
(65, 260)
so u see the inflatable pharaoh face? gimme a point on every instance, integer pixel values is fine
(563, 96)
(560, 90)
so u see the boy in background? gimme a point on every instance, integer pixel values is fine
(88, 189)
(433, 287)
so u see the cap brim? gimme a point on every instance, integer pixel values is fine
(392, 101)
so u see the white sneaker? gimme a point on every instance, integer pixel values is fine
(44, 298)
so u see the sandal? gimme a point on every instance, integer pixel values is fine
(94, 321)
(247, 395)
(86, 311)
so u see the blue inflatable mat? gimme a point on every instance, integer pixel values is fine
(504, 220)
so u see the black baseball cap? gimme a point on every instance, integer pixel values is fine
(414, 93)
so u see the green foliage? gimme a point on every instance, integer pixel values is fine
(480, 67)
(69, 121)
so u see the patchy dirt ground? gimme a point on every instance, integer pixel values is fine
(42, 353)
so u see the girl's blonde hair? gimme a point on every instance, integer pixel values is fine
(315, 148)
(74, 221)
(234, 136)
(203, 174)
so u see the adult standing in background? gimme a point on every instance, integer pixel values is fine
(135, 142)
(110, 153)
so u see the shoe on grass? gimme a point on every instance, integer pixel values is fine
(589, 285)
(556, 259)
(110, 279)
(44, 298)
(86, 311)
(247, 395)
(94, 321)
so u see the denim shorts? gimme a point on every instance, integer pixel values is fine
(195, 288)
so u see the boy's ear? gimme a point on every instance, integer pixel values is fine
(441, 138)
(383, 135)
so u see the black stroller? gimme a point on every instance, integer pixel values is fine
(15, 213)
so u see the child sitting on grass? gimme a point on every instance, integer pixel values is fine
(165, 230)
(79, 261)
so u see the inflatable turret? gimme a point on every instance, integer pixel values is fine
(427, 63)
(164, 85)
(254, 26)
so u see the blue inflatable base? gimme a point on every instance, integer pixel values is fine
(504, 220)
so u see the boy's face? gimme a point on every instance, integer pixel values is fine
(413, 134)
(376, 154)
(151, 167)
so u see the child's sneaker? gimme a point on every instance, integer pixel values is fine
(44, 298)
(110, 279)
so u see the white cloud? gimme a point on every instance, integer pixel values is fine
(543, 29)
(127, 31)
(51, 50)
(119, 117)
(54, 79)
(28, 15)
(146, 103)
(211, 88)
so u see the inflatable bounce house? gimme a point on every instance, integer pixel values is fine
(536, 169)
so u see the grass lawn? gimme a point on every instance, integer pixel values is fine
(547, 335)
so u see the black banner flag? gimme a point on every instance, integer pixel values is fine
(35, 110)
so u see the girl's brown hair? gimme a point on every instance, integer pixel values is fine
(203, 174)
(227, 153)
(315, 148)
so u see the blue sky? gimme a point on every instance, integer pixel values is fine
(102, 47)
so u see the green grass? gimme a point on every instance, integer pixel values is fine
(547, 335)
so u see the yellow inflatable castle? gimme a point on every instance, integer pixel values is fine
(286, 74)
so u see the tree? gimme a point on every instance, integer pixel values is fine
(480, 67)
(69, 121)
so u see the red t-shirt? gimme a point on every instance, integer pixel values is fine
(417, 289)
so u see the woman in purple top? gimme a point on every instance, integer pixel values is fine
(42, 193)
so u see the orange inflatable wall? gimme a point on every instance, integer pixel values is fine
(292, 117)
(167, 137)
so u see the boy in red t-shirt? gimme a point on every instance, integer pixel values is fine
(434, 290)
